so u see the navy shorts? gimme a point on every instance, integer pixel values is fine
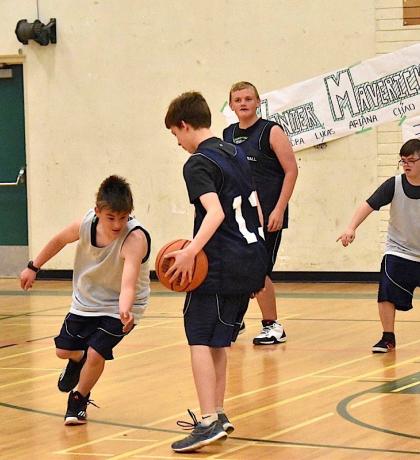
(213, 320)
(272, 244)
(399, 278)
(102, 333)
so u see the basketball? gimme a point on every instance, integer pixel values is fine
(162, 265)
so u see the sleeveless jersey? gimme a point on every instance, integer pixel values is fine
(403, 239)
(236, 252)
(97, 274)
(266, 169)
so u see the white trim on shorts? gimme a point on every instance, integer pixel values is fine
(394, 282)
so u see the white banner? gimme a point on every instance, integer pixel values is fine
(411, 129)
(347, 101)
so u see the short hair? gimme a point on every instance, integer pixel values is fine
(191, 108)
(115, 194)
(242, 85)
(410, 147)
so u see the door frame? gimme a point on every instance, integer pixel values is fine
(12, 253)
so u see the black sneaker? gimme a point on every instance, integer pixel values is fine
(384, 345)
(76, 408)
(200, 436)
(226, 424)
(69, 376)
(242, 328)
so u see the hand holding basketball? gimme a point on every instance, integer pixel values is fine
(178, 270)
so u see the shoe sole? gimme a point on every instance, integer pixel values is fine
(72, 421)
(219, 437)
(271, 342)
(381, 350)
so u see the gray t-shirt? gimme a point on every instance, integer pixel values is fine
(97, 274)
(403, 238)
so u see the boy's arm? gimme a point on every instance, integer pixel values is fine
(280, 144)
(359, 216)
(68, 235)
(133, 252)
(184, 259)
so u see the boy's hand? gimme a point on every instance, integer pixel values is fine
(27, 278)
(183, 265)
(275, 220)
(127, 319)
(347, 237)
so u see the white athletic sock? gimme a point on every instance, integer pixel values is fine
(208, 419)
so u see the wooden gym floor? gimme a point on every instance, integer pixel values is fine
(321, 395)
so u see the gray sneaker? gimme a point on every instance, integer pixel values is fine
(227, 426)
(200, 436)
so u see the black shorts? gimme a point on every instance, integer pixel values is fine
(102, 333)
(272, 244)
(213, 320)
(399, 278)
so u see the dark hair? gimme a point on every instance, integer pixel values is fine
(115, 194)
(191, 108)
(410, 147)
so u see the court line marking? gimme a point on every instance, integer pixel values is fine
(277, 433)
(145, 448)
(311, 374)
(414, 384)
(319, 390)
(365, 401)
(103, 438)
(32, 379)
(26, 353)
(285, 382)
(29, 369)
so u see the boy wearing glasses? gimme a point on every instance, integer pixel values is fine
(400, 268)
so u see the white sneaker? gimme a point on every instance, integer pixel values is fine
(271, 335)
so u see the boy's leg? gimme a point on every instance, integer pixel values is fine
(204, 373)
(104, 334)
(399, 278)
(387, 315)
(91, 371)
(267, 301)
(272, 331)
(220, 364)
(70, 344)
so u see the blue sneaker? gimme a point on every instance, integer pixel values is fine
(200, 436)
(226, 424)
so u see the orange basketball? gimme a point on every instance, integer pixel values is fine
(162, 265)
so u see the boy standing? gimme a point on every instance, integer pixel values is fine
(274, 170)
(226, 226)
(110, 289)
(400, 268)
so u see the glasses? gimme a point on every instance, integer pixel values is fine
(407, 162)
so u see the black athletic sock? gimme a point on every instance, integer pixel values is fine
(267, 322)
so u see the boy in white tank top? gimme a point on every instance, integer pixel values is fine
(110, 289)
(400, 268)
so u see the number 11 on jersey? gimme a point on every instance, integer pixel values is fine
(237, 206)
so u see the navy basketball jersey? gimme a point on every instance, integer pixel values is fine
(266, 169)
(236, 252)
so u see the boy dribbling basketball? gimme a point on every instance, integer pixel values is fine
(110, 289)
(226, 226)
